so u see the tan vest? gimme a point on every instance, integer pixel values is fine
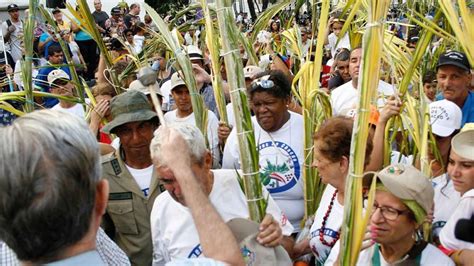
(127, 217)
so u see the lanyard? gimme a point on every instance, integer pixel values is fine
(376, 257)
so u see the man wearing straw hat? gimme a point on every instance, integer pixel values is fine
(173, 228)
(133, 183)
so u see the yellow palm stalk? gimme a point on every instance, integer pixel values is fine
(212, 41)
(464, 32)
(245, 132)
(172, 42)
(354, 224)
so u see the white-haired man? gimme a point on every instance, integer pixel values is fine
(177, 238)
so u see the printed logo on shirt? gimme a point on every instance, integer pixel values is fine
(195, 252)
(279, 164)
(248, 255)
(146, 191)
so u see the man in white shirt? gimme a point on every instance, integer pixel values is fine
(12, 30)
(184, 114)
(60, 84)
(174, 238)
(346, 96)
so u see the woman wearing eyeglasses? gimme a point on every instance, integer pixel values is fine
(279, 137)
(403, 198)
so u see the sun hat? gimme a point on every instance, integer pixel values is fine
(454, 58)
(194, 52)
(445, 117)
(130, 106)
(12, 7)
(463, 143)
(138, 86)
(408, 183)
(57, 74)
(252, 71)
(176, 81)
(245, 232)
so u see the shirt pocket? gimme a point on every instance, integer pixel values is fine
(121, 212)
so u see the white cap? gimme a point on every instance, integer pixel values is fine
(445, 117)
(252, 71)
(194, 52)
(57, 74)
(463, 143)
(176, 80)
(138, 86)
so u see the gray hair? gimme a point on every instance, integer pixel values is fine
(49, 169)
(190, 133)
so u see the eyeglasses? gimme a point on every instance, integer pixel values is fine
(263, 82)
(389, 213)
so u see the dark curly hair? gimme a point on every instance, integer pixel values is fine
(281, 88)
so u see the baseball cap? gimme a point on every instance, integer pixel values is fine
(194, 52)
(252, 71)
(176, 80)
(57, 74)
(130, 106)
(408, 183)
(12, 7)
(445, 117)
(245, 232)
(138, 86)
(116, 10)
(463, 143)
(56, 10)
(454, 58)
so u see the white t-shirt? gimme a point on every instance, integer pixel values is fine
(75, 52)
(17, 74)
(464, 210)
(230, 114)
(167, 98)
(212, 127)
(344, 42)
(76, 109)
(281, 164)
(174, 234)
(429, 256)
(16, 37)
(446, 199)
(345, 97)
(332, 226)
(142, 177)
(138, 41)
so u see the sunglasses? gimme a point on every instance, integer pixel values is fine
(262, 82)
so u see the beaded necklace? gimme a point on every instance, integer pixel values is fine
(323, 224)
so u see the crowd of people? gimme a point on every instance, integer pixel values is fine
(106, 182)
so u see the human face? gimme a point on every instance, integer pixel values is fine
(58, 16)
(343, 69)
(275, 26)
(271, 112)
(354, 63)
(63, 88)
(135, 137)
(453, 83)
(129, 37)
(201, 172)
(430, 90)
(461, 171)
(386, 231)
(97, 6)
(56, 58)
(14, 14)
(330, 172)
(304, 37)
(182, 99)
(336, 28)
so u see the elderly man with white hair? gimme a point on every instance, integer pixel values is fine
(176, 238)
